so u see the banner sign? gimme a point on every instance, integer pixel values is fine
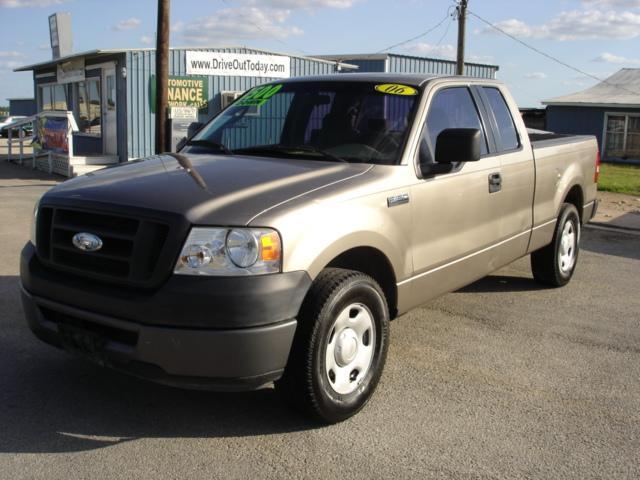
(52, 133)
(184, 92)
(72, 71)
(238, 64)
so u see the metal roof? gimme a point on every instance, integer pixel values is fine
(384, 56)
(115, 51)
(622, 89)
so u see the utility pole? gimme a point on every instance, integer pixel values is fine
(162, 75)
(462, 21)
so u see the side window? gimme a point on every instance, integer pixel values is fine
(506, 127)
(453, 108)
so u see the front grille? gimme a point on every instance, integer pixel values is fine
(131, 248)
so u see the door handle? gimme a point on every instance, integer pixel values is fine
(495, 182)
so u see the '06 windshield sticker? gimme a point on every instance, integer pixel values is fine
(396, 89)
(258, 96)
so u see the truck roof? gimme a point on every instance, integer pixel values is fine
(412, 79)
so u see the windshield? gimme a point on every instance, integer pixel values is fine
(331, 121)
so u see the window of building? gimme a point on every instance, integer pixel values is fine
(88, 111)
(53, 97)
(622, 136)
(453, 108)
(506, 127)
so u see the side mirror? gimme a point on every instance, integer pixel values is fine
(458, 145)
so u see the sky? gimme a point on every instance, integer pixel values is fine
(597, 37)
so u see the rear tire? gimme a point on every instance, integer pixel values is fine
(554, 264)
(339, 348)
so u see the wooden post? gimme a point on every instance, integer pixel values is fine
(21, 140)
(462, 20)
(162, 75)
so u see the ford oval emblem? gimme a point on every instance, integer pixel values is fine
(87, 242)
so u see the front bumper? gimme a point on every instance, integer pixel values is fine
(220, 333)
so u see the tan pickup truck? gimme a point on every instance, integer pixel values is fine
(290, 229)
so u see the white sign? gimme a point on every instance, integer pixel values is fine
(238, 64)
(72, 71)
(183, 113)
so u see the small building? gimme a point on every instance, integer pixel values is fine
(610, 110)
(396, 63)
(23, 107)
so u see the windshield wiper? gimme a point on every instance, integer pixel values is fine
(210, 144)
(290, 149)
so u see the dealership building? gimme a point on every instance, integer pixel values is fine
(111, 93)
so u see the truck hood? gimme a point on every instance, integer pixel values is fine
(217, 190)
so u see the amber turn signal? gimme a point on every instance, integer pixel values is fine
(270, 249)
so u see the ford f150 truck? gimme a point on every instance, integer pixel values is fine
(280, 241)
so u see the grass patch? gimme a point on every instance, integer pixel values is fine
(619, 179)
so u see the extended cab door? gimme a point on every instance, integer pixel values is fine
(457, 216)
(517, 170)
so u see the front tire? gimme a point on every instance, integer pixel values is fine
(554, 264)
(340, 346)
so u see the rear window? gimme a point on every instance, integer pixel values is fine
(506, 127)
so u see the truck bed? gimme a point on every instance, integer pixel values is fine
(561, 160)
(547, 139)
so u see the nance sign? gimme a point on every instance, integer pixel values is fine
(238, 64)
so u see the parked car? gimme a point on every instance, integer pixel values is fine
(283, 238)
(12, 119)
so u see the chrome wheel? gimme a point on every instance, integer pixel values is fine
(350, 348)
(567, 247)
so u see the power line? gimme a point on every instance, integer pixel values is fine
(550, 57)
(423, 34)
(445, 32)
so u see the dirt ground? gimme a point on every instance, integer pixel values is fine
(618, 210)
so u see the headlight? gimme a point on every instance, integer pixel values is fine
(34, 222)
(230, 252)
(242, 247)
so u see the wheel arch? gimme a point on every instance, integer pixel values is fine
(372, 262)
(575, 196)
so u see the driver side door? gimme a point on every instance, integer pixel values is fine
(456, 216)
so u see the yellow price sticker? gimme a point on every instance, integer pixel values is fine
(396, 89)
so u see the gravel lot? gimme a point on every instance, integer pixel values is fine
(500, 380)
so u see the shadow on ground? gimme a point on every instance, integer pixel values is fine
(12, 171)
(502, 283)
(53, 402)
(611, 243)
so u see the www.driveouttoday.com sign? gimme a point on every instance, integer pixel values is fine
(238, 64)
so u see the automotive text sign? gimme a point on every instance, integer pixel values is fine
(238, 64)
(183, 91)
